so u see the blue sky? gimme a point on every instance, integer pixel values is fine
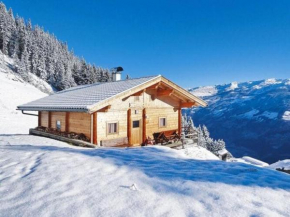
(193, 43)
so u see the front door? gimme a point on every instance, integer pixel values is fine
(136, 132)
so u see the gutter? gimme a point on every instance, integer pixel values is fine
(27, 113)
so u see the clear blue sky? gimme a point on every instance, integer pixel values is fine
(193, 43)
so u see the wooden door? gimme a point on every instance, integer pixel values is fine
(136, 132)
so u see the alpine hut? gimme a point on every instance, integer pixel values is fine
(121, 112)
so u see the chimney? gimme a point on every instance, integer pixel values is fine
(116, 72)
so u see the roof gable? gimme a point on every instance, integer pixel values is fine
(92, 97)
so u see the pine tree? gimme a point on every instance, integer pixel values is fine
(42, 54)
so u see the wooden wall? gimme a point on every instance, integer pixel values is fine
(155, 107)
(44, 119)
(58, 116)
(77, 122)
(111, 116)
(152, 121)
(80, 123)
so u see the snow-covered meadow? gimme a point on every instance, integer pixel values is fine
(45, 177)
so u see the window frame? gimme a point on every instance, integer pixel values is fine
(56, 125)
(159, 123)
(117, 130)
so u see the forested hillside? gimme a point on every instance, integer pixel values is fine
(42, 54)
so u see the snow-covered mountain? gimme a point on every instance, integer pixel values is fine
(252, 117)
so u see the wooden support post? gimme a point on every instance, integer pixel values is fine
(95, 120)
(179, 121)
(129, 126)
(49, 119)
(67, 122)
(39, 118)
(144, 125)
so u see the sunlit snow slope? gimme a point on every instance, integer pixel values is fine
(252, 117)
(13, 92)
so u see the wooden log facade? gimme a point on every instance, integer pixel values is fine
(136, 119)
(127, 117)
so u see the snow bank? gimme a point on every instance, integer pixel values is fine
(13, 92)
(198, 153)
(250, 160)
(281, 164)
(255, 161)
(44, 177)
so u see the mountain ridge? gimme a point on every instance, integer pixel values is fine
(252, 117)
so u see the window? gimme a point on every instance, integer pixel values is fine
(112, 128)
(136, 98)
(58, 126)
(136, 124)
(162, 122)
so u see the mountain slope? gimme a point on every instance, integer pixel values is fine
(252, 117)
(13, 92)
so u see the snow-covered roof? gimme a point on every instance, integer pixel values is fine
(223, 151)
(281, 164)
(82, 97)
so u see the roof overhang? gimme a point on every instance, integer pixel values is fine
(166, 87)
(190, 99)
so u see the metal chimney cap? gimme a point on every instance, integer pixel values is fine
(117, 69)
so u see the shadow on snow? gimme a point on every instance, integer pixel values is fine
(156, 162)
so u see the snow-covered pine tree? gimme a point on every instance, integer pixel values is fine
(200, 138)
(215, 145)
(40, 52)
(205, 141)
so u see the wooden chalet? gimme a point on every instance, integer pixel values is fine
(124, 112)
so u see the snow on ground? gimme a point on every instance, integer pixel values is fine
(281, 164)
(286, 116)
(43, 177)
(250, 160)
(205, 91)
(7, 66)
(13, 92)
(198, 153)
